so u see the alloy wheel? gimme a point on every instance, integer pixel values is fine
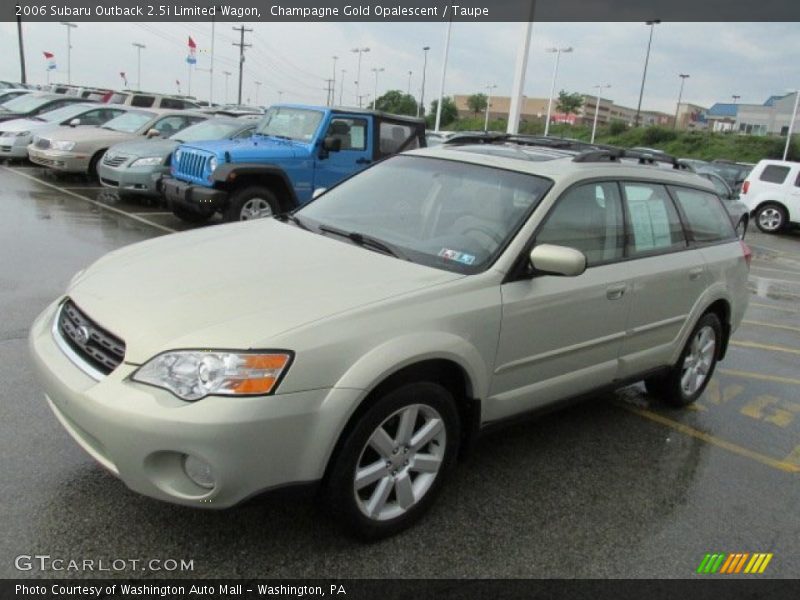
(255, 208)
(699, 360)
(770, 219)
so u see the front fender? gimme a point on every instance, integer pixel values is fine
(227, 174)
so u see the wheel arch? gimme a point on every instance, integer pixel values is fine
(233, 177)
(722, 308)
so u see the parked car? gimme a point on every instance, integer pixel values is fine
(357, 343)
(150, 100)
(738, 211)
(79, 150)
(33, 105)
(295, 150)
(135, 167)
(772, 194)
(11, 93)
(17, 135)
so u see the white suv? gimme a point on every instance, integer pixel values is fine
(357, 343)
(772, 194)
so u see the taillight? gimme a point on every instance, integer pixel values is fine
(745, 186)
(748, 254)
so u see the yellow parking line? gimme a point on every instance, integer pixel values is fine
(771, 325)
(761, 376)
(769, 347)
(780, 308)
(714, 440)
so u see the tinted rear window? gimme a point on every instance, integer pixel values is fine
(774, 174)
(707, 218)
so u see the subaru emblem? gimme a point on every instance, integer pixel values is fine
(82, 334)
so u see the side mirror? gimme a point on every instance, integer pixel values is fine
(318, 192)
(332, 144)
(151, 133)
(558, 260)
(74, 122)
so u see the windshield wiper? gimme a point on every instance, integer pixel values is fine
(365, 241)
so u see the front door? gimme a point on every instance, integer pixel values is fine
(356, 151)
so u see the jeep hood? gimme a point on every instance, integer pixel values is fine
(253, 149)
(236, 286)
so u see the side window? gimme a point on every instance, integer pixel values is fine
(722, 188)
(774, 174)
(588, 218)
(94, 117)
(352, 132)
(394, 137)
(708, 219)
(173, 124)
(654, 222)
(142, 101)
(797, 180)
(173, 103)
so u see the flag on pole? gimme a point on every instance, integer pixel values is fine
(51, 60)
(124, 78)
(192, 57)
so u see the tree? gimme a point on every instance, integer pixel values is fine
(569, 103)
(449, 112)
(397, 103)
(477, 103)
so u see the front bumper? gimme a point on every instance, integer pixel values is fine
(14, 147)
(135, 180)
(197, 198)
(141, 433)
(67, 161)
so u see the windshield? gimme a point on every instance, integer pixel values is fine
(446, 214)
(130, 122)
(26, 103)
(292, 123)
(65, 112)
(206, 130)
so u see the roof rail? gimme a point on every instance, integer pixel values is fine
(644, 158)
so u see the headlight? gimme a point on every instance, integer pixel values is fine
(195, 374)
(212, 164)
(148, 161)
(59, 145)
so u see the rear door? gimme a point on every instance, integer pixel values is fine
(355, 135)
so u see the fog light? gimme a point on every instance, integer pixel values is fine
(199, 471)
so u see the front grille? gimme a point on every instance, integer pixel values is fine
(5, 148)
(42, 143)
(88, 340)
(191, 164)
(114, 160)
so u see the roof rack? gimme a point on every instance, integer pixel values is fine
(487, 137)
(644, 158)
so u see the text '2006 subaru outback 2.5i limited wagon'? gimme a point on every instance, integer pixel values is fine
(360, 341)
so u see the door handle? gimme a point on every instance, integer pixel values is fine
(616, 292)
(695, 273)
(363, 161)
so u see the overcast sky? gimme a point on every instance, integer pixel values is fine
(752, 60)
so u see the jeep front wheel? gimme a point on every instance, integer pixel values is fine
(254, 202)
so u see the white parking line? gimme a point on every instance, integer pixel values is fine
(83, 187)
(91, 201)
(151, 214)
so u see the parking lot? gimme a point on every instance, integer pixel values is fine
(617, 486)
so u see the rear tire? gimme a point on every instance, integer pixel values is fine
(741, 228)
(687, 379)
(771, 217)
(92, 170)
(190, 216)
(252, 202)
(391, 465)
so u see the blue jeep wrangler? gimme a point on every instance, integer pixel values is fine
(295, 150)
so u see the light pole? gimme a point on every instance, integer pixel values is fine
(139, 47)
(359, 51)
(227, 74)
(557, 52)
(421, 105)
(341, 87)
(444, 72)
(258, 88)
(409, 83)
(735, 98)
(489, 89)
(376, 70)
(332, 95)
(280, 95)
(599, 89)
(683, 77)
(644, 73)
(70, 27)
(791, 124)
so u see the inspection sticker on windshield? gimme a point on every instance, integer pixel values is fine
(462, 257)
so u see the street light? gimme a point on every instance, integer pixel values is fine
(438, 121)
(376, 70)
(683, 77)
(644, 74)
(791, 124)
(258, 87)
(735, 98)
(70, 27)
(341, 87)
(359, 51)
(599, 89)
(421, 105)
(557, 52)
(332, 95)
(139, 47)
(227, 74)
(409, 82)
(489, 89)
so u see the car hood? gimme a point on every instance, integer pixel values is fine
(253, 149)
(236, 286)
(94, 135)
(145, 147)
(7, 115)
(25, 125)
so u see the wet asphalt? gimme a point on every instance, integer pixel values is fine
(617, 486)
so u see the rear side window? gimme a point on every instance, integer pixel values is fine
(142, 101)
(117, 98)
(653, 220)
(396, 137)
(774, 174)
(173, 103)
(707, 219)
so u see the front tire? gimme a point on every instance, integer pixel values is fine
(391, 465)
(253, 202)
(688, 378)
(771, 217)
